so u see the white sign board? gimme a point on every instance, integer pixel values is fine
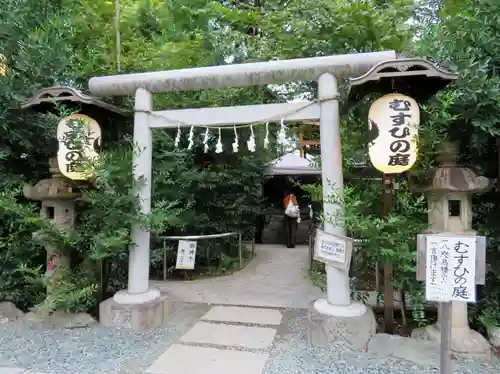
(186, 255)
(333, 250)
(451, 267)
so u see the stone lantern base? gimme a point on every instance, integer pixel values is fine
(465, 342)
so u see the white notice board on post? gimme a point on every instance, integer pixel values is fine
(186, 255)
(332, 249)
(450, 268)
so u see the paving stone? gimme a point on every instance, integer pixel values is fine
(230, 335)
(183, 359)
(10, 370)
(244, 315)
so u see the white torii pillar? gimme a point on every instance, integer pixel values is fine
(325, 70)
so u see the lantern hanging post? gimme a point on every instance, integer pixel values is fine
(393, 121)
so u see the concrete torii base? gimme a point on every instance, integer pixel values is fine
(355, 330)
(136, 316)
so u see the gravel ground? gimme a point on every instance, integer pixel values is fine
(100, 350)
(292, 354)
(92, 350)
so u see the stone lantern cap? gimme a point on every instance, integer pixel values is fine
(56, 188)
(449, 177)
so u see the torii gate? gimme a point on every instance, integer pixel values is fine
(326, 70)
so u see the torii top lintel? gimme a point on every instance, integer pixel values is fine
(239, 75)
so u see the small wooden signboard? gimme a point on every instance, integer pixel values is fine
(333, 250)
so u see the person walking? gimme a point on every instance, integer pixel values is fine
(259, 228)
(291, 218)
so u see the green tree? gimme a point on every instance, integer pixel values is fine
(66, 44)
(69, 41)
(464, 37)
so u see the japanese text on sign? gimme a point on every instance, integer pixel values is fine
(400, 132)
(76, 143)
(437, 271)
(464, 268)
(392, 133)
(186, 255)
(450, 271)
(79, 138)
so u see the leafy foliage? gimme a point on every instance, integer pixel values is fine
(65, 42)
(463, 37)
(17, 249)
(390, 239)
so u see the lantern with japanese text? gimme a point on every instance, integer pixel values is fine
(393, 123)
(3, 66)
(79, 138)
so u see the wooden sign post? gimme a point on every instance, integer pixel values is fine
(451, 265)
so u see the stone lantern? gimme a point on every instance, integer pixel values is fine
(449, 195)
(57, 196)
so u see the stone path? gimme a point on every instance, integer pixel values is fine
(201, 338)
(277, 277)
(269, 335)
(226, 340)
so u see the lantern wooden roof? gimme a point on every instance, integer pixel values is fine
(415, 77)
(56, 94)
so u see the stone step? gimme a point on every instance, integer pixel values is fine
(185, 359)
(220, 344)
(258, 316)
(230, 335)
